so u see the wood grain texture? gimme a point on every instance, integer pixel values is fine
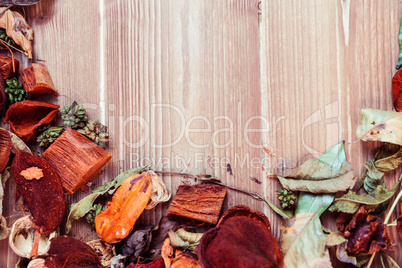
(322, 62)
(191, 86)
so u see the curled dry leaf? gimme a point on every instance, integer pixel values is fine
(315, 176)
(160, 193)
(105, 251)
(22, 238)
(303, 242)
(377, 125)
(32, 173)
(37, 263)
(44, 197)
(3, 228)
(129, 201)
(6, 67)
(239, 242)
(184, 239)
(244, 211)
(80, 209)
(26, 116)
(66, 251)
(18, 29)
(366, 233)
(5, 148)
(17, 143)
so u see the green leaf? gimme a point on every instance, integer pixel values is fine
(377, 125)
(350, 202)
(317, 177)
(309, 203)
(78, 210)
(303, 242)
(334, 156)
(372, 176)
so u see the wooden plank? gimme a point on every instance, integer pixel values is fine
(323, 61)
(182, 81)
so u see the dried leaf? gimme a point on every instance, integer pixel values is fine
(136, 243)
(343, 256)
(78, 210)
(388, 157)
(317, 177)
(334, 239)
(32, 173)
(17, 143)
(372, 177)
(366, 233)
(26, 116)
(309, 203)
(18, 29)
(105, 251)
(3, 228)
(66, 251)
(44, 197)
(185, 240)
(167, 252)
(377, 125)
(160, 193)
(3, 178)
(350, 202)
(303, 242)
(239, 242)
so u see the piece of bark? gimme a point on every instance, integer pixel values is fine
(76, 159)
(36, 80)
(6, 67)
(201, 203)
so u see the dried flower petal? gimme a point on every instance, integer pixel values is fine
(44, 197)
(366, 233)
(32, 173)
(5, 148)
(66, 251)
(26, 116)
(239, 242)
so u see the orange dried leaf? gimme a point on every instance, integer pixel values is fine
(32, 173)
(129, 201)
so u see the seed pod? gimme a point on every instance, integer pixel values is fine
(129, 201)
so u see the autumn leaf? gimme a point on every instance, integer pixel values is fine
(350, 202)
(309, 203)
(32, 173)
(80, 209)
(317, 177)
(303, 242)
(377, 125)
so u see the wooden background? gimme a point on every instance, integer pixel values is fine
(191, 86)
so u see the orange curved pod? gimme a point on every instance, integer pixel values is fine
(129, 201)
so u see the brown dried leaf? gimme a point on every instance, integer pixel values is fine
(18, 29)
(366, 233)
(69, 252)
(32, 173)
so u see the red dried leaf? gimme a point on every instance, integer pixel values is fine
(159, 263)
(6, 67)
(366, 233)
(397, 90)
(244, 211)
(66, 251)
(239, 242)
(5, 148)
(44, 197)
(26, 116)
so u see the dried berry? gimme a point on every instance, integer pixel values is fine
(49, 135)
(286, 198)
(15, 91)
(96, 132)
(74, 116)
